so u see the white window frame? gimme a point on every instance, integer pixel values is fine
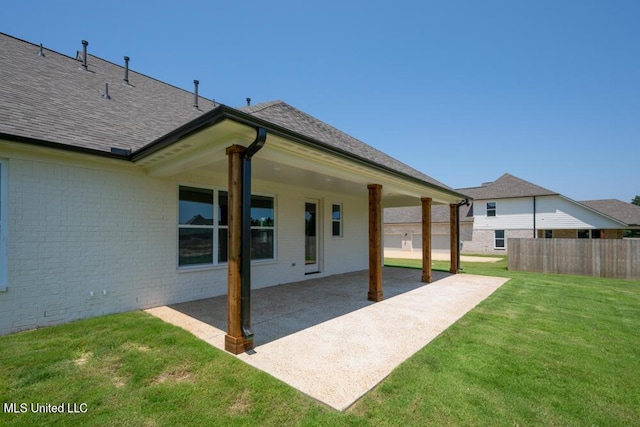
(266, 227)
(213, 227)
(496, 238)
(339, 221)
(494, 209)
(3, 224)
(217, 227)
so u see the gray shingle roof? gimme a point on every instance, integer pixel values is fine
(283, 114)
(505, 187)
(52, 98)
(622, 211)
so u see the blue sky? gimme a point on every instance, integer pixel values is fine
(464, 91)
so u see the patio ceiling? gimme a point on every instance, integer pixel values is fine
(286, 161)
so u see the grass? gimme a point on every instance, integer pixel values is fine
(542, 350)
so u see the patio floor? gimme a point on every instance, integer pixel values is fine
(323, 337)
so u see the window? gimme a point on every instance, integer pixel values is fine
(195, 229)
(583, 234)
(336, 220)
(203, 239)
(548, 234)
(223, 226)
(491, 208)
(262, 227)
(3, 226)
(499, 239)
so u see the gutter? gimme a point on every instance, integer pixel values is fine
(116, 153)
(245, 251)
(218, 115)
(223, 112)
(213, 117)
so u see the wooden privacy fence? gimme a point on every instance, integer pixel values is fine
(618, 258)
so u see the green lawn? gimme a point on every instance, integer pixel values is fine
(542, 350)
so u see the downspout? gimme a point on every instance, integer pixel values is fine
(534, 217)
(245, 252)
(465, 202)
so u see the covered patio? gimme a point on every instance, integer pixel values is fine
(321, 337)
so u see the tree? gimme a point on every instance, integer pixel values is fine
(636, 201)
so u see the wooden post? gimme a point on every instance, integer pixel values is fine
(427, 276)
(453, 227)
(234, 342)
(375, 242)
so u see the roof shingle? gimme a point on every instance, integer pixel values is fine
(622, 211)
(283, 114)
(53, 99)
(505, 187)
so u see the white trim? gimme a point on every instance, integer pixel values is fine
(316, 267)
(503, 238)
(216, 227)
(213, 228)
(495, 209)
(3, 223)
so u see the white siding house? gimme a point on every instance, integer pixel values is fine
(511, 207)
(514, 208)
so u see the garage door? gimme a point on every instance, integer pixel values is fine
(441, 242)
(393, 241)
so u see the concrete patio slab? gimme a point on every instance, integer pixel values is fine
(324, 338)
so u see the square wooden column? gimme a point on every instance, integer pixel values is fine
(375, 242)
(427, 275)
(234, 341)
(453, 227)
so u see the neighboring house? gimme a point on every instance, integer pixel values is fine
(511, 207)
(403, 228)
(129, 196)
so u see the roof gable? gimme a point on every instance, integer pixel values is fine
(507, 186)
(283, 114)
(52, 100)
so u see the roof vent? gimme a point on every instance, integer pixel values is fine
(484, 184)
(126, 69)
(195, 94)
(248, 102)
(41, 51)
(84, 54)
(106, 91)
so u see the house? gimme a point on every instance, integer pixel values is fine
(511, 207)
(403, 228)
(121, 192)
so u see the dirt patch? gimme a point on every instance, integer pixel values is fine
(174, 376)
(136, 347)
(83, 358)
(242, 404)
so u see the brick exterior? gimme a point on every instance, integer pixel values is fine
(90, 239)
(483, 241)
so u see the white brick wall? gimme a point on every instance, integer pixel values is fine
(77, 228)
